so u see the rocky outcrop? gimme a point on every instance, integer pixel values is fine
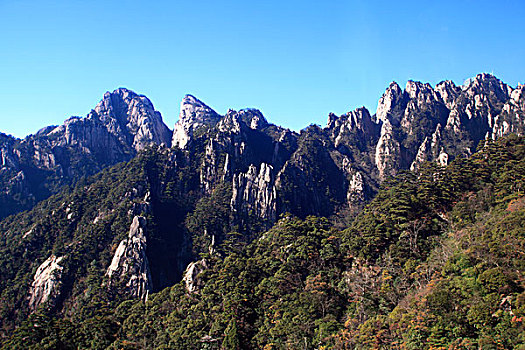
(253, 118)
(449, 92)
(354, 127)
(45, 288)
(475, 111)
(191, 275)
(130, 262)
(193, 115)
(122, 124)
(413, 125)
(126, 114)
(431, 149)
(388, 152)
(391, 104)
(512, 116)
(254, 192)
(356, 189)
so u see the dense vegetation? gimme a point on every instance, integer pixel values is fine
(435, 261)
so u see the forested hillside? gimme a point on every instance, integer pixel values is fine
(435, 260)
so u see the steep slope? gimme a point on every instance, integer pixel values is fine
(433, 261)
(122, 124)
(168, 213)
(117, 235)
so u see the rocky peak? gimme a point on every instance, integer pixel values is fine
(512, 116)
(487, 84)
(391, 104)
(193, 110)
(357, 119)
(421, 92)
(231, 122)
(130, 261)
(478, 110)
(133, 117)
(518, 96)
(356, 125)
(387, 152)
(253, 118)
(191, 275)
(332, 119)
(193, 114)
(448, 91)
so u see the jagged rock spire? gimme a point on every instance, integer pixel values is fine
(193, 114)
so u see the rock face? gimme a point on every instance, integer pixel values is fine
(388, 152)
(190, 279)
(46, 283)
(420, 123)
(130, 262)
(132, 119)
(391, 105)
(32, 169)
(254, 192)
(193, 114)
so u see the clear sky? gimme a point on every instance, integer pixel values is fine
(294, 60)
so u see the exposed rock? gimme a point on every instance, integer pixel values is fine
(193, 114)
(230, 123)
(391, 105)
(272, 170)
(190, 279)
(209, 173)
(448, 91)
(442, 159)
(130, 261)
(422, 155)
(405, 131)
(430, 150)
(512, 116)
(354, 127)
(121, 124)
(356, 189)
(46, 283)
(388, 153)
(476, 109)
(253, 118)
(254, 191)
(123, 112)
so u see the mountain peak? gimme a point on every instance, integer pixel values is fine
(189, 98)
(448, 92)
(193, 114)
(253, 118)
(191, 108)
(392, 97)
(132, 116)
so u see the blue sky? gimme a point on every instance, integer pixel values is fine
(294, 60)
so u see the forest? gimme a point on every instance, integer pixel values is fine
(435, 261)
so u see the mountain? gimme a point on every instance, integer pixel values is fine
(120, 207)
(357, 150)
(434, 261)
(33, 168)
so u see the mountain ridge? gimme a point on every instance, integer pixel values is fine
(119, 206)
(410, 126)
